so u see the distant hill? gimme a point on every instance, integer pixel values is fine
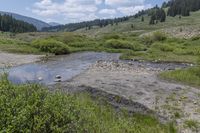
(37, 23)
(54, 24)
(86, 24)
(10, 24)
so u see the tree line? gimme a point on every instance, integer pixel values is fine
(182, 7)
(10, 24)
(157, 15)
(86, 24)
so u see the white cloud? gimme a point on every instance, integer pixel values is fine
(122, 3)
(132, 10)
(80, 10)
(99, 2)
(108, 11)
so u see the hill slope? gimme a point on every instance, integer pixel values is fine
(37, 23)
(136, 25)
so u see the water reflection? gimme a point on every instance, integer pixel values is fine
(66, 66)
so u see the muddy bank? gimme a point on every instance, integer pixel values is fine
(140, 84)
(10, 60)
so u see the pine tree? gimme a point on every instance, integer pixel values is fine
(142, 19)
(183, 7)
(132, 26)
(152, 20)
(162, 16)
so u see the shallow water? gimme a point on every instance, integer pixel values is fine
(67, 66)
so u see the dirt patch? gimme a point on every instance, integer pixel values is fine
(9, 60)
(186, 32)
(141, 85)
(183, 31)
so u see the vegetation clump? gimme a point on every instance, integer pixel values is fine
(31, 108)
(122, 44)
(51, 46)
(151, 38)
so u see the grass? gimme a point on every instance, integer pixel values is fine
(32, 108)
(17, 46)
(157, 46)
(189, 76)
(192, 124)
(143, 27)
(51, 46)
(168, 50)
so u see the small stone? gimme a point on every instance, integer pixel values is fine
(57, 80)
(195, 102)
(58, 77)
(40, 78)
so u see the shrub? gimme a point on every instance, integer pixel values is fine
(118, 44)
(156, 36)
(31, 108)
(159, 36)
(83, 44)
(163, 47)
(111, 36)
(147, 40)
(51, 46)
(195, 38)
(138, 47)
(67, 37)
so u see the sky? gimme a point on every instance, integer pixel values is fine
(69, 11)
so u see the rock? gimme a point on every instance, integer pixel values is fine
(195, 102)
(40, 78)
(170, 69)
(58, 80)
(58, 77)
(156, 61)
(135, 60)
(178, 88)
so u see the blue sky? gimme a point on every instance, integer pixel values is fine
(67, 11)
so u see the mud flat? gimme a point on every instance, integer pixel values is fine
(139, 83)
(9, 60)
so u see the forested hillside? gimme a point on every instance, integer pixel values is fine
(86, 24)
(37, 23)
(9, 24)
(182, 7)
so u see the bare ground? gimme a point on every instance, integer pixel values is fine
(186, 32)
(141, 85)
(9, 60)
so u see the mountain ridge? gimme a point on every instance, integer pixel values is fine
(36, 22)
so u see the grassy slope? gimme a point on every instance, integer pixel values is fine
(32, 108)
(194, 19)
(14, 45)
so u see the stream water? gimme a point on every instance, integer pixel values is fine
(69, 66)
(66, 66)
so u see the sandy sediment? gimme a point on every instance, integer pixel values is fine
(140, 84)
(9, 60)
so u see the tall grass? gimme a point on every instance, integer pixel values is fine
(189, 76)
